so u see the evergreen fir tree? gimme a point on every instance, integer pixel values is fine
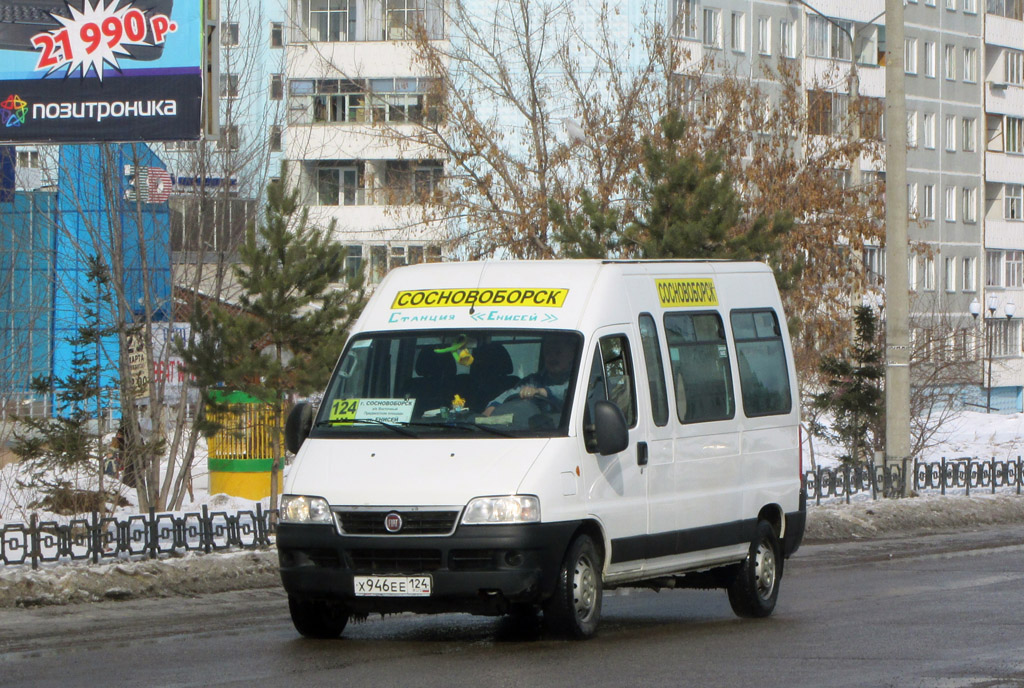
(291, 318)
(65, 453)
(854, 394)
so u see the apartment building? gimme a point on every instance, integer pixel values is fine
(354, 88)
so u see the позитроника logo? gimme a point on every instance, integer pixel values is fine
(13, 111)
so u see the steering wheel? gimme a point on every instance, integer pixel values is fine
(525, 411)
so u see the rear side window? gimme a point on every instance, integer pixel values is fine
(701, 373)
(655, 369)
(761, 358)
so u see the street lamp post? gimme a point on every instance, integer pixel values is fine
(991, 303)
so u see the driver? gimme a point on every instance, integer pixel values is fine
(551, 382)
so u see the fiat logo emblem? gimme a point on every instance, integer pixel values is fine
(393, 522)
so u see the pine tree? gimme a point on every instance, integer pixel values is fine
(65, 453)
(286, 331)
(686, 207)
(853, 393)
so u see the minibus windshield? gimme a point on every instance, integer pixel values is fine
(486, 383)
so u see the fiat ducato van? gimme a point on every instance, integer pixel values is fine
(517, 437)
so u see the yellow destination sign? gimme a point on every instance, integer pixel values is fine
(460, 298)
(687, 292)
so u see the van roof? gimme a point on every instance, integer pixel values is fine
(549, 294)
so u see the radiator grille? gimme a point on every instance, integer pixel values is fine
(413, 522)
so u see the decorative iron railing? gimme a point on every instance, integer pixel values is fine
(97, 539)
(960, 474)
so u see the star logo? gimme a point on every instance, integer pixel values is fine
(13, 111)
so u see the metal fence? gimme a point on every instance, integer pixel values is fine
(99, 539)
(961, 474)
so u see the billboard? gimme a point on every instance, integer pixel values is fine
(80, 71)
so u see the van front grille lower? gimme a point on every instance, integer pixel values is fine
(395, 560)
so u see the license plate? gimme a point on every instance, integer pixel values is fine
(392, 586)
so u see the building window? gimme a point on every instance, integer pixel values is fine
(828, 38)
(230, 137)
(970, 204)
(1013, 134)
(929, 59)
(950, 133)
(874, 265)
(412, 181)
(228, 34)
(949, 55)
(910, 55)
(276, 34)
(971, 6)
(928, 126)
(228, 85)
(787, 42)
(929, 274)
(1013, 206)
(361, 101)
(949, 274)
(685, 21)
(1013, 264)
(737, 30)
(275, 138)
(993, 268)
(951, 204)
(928, 202)
(339, 184)
(951, 5)
(970, 64)
(912, 210)
(969, 273)
(1013, 9)
(827, 112)
(353, 262)
(712, 36)
(403, 16)
(764, 35)
(970, 133)
(912, 273)
(276, 86)
(912, 128)
(331, 20)
(1014, 67)
(28, 159)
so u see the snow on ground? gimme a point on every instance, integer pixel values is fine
(971, 434)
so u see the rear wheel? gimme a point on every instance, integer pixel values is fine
(755, 588)
(575, 608)
(316, 619)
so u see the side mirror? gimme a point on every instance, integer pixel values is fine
(298, 425)
(610, 433)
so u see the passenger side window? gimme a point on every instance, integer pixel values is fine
(611, 377)
(761, 356)
(655, 369)
(700, 367)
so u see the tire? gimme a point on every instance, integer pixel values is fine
(755, 589)
(314, 619)
(575, 608)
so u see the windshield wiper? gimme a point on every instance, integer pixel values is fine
(401, 430)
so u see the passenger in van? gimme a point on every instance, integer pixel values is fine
(550, 383)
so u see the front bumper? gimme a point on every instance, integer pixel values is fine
(479, 569)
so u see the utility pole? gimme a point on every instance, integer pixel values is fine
(897, 321)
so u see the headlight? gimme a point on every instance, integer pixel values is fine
(301, 509)
(510, 509)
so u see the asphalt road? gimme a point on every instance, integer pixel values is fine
(941, 611)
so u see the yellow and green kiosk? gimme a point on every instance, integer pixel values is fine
(241, 454)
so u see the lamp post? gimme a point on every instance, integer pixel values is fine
(991, 303)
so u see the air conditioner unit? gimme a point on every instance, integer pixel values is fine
(998, 85)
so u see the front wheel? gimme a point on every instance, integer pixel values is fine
(575, 608)
(754, 590)
(314, 619)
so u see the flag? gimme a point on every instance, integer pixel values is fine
(151, 185)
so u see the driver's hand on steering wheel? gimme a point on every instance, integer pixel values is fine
(528, 392)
